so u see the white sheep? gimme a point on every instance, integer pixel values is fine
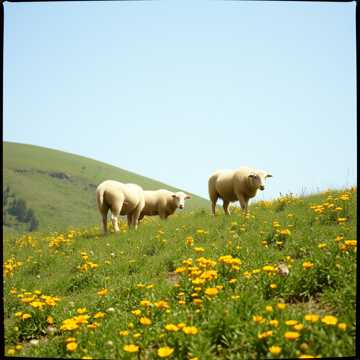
(121, 199)
(232, 185)
(162, 202)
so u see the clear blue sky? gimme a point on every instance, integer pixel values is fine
(174, 90)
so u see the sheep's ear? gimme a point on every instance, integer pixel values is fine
(187, 197)
(268, 175)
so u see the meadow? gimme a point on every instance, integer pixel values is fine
(62, 198)
(278, 282)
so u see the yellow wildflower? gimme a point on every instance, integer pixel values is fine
(171, 327)
(329, 320)
(275, 350)
(72, 346)
(99, 314)
(291, 335)
(161, 304)
(165, 351)
(308, 265)
(145, 321)
(190, 330)
(131, 348)
(311, 317)
(145, 303)
(103, 292)
(211, 291)
(264, 334)
(291, 322)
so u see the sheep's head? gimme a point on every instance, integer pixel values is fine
(257, 179)
(179, 198)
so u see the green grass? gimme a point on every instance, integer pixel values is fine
(32, 172)
(236, 304)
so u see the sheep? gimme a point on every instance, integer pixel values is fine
(162, 202)
(121, 199)
(232, 185)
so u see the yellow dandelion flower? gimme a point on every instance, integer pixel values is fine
(103, 292)
(162, 304)
(145, 321)
(291, 322)
(329, 320)
(258, 319)
(351, 243)
(165, 351)
(269, 308)
(211, 291)
(308, 265)
(99, 315)
(275, 350)
(291, 335)
(269, 268)
(274, 322)
(71, 346)
(342, 326)
(123, 333)
(190, 330)
(81, 310)
(189, 241)
(171, 327)
(281, 306)
(11, 352)
(311, 317)
(131, 348)
(25, 316)
(145, 303)
(298, 327)
(136, 312)
(273, 286)
(265, 334)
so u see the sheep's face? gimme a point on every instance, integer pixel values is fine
(257, 180)
(180, 198)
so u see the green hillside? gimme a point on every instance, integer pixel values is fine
(59, 187)
(279, 282)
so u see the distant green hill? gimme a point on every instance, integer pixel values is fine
(57, 189)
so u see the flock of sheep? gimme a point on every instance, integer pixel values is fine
(131, 200)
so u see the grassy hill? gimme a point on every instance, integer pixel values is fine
(279, 282)
(60, 187)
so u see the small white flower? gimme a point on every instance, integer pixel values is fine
(34, 342)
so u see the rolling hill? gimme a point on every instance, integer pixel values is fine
(46, 189)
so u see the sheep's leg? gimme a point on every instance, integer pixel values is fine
(226, 207)
(114, 219)
(162, 215)
(115, 212)
(243, 202)
(104, 210)
(135, 217)
(129, 221)
(104, 223)
(214, 199)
